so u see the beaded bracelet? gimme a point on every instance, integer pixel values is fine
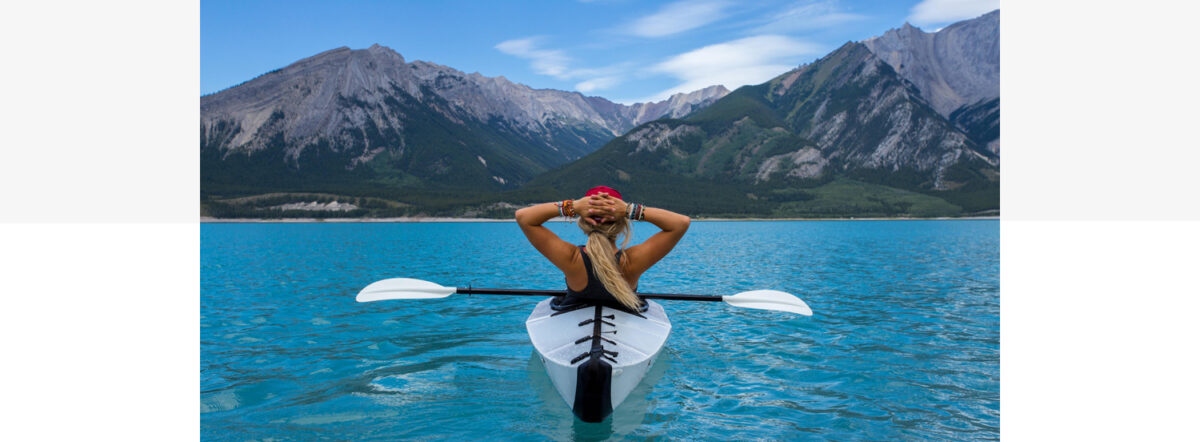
(567, 208)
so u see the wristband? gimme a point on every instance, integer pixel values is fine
(636, 211)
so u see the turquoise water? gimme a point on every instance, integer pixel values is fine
(904, 342)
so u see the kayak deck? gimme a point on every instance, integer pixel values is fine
(596, 355)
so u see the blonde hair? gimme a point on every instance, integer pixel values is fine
(601, 250)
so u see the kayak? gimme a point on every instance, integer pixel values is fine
(595, 355)
(593, 367)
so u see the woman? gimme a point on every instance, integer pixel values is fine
(600, 271)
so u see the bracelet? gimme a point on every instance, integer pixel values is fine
(559, 205)
(636, 211)
(567, 208)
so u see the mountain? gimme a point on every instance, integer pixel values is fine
(956, 69)
(846, 118)
(981, 122)
(676, 106)
(905, 124)
(367, 119)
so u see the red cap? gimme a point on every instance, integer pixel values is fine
(604, 189)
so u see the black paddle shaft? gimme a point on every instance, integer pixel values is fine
(526, 292)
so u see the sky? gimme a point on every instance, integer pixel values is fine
(624, 50)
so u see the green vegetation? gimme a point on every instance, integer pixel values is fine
(745, 102)
(267, 206)
(840, 197)
(846, 197)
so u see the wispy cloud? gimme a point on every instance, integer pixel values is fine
(550, 62)
(930, 12)
(771, 50)
(598, 83)
(804, 17)
(736, 63)
(678, 17)
(556, 63)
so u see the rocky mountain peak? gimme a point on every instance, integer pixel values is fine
(371, 74)
(678, 105)
(349, 107)
(954, 67)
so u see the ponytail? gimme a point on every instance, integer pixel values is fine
(601, 245)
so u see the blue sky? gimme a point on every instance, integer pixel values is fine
(623, 50)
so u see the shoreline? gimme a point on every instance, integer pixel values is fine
(439, 219)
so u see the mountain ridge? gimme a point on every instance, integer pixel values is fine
(361, 107)
(849, 134)
(845, 116)
(957, 69)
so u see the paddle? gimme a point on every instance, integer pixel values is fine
(408, 288)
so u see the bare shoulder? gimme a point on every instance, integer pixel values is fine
(633, 260)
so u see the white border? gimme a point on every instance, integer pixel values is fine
(101, 314)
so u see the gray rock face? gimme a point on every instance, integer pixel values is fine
(954, 67)
(654, 136)
(804, 163)
(308, 90)
(677, 106)
(370, 118)
(858, 112)
(981, 122)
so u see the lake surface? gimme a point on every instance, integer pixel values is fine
(904, 341)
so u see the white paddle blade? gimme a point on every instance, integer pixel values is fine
(769, 300)
(403, 288)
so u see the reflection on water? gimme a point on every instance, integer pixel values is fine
(904, 342)
(626, 418)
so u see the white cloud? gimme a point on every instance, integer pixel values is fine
(678, 17)
(931, 12)
(550, 62)
(557, 64)
(810, 16)
(736, 63)
(598, 83)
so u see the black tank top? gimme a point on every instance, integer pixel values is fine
(593, 293)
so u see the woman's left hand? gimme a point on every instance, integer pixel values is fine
(604, 208)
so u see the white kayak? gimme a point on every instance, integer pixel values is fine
(595, 355)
